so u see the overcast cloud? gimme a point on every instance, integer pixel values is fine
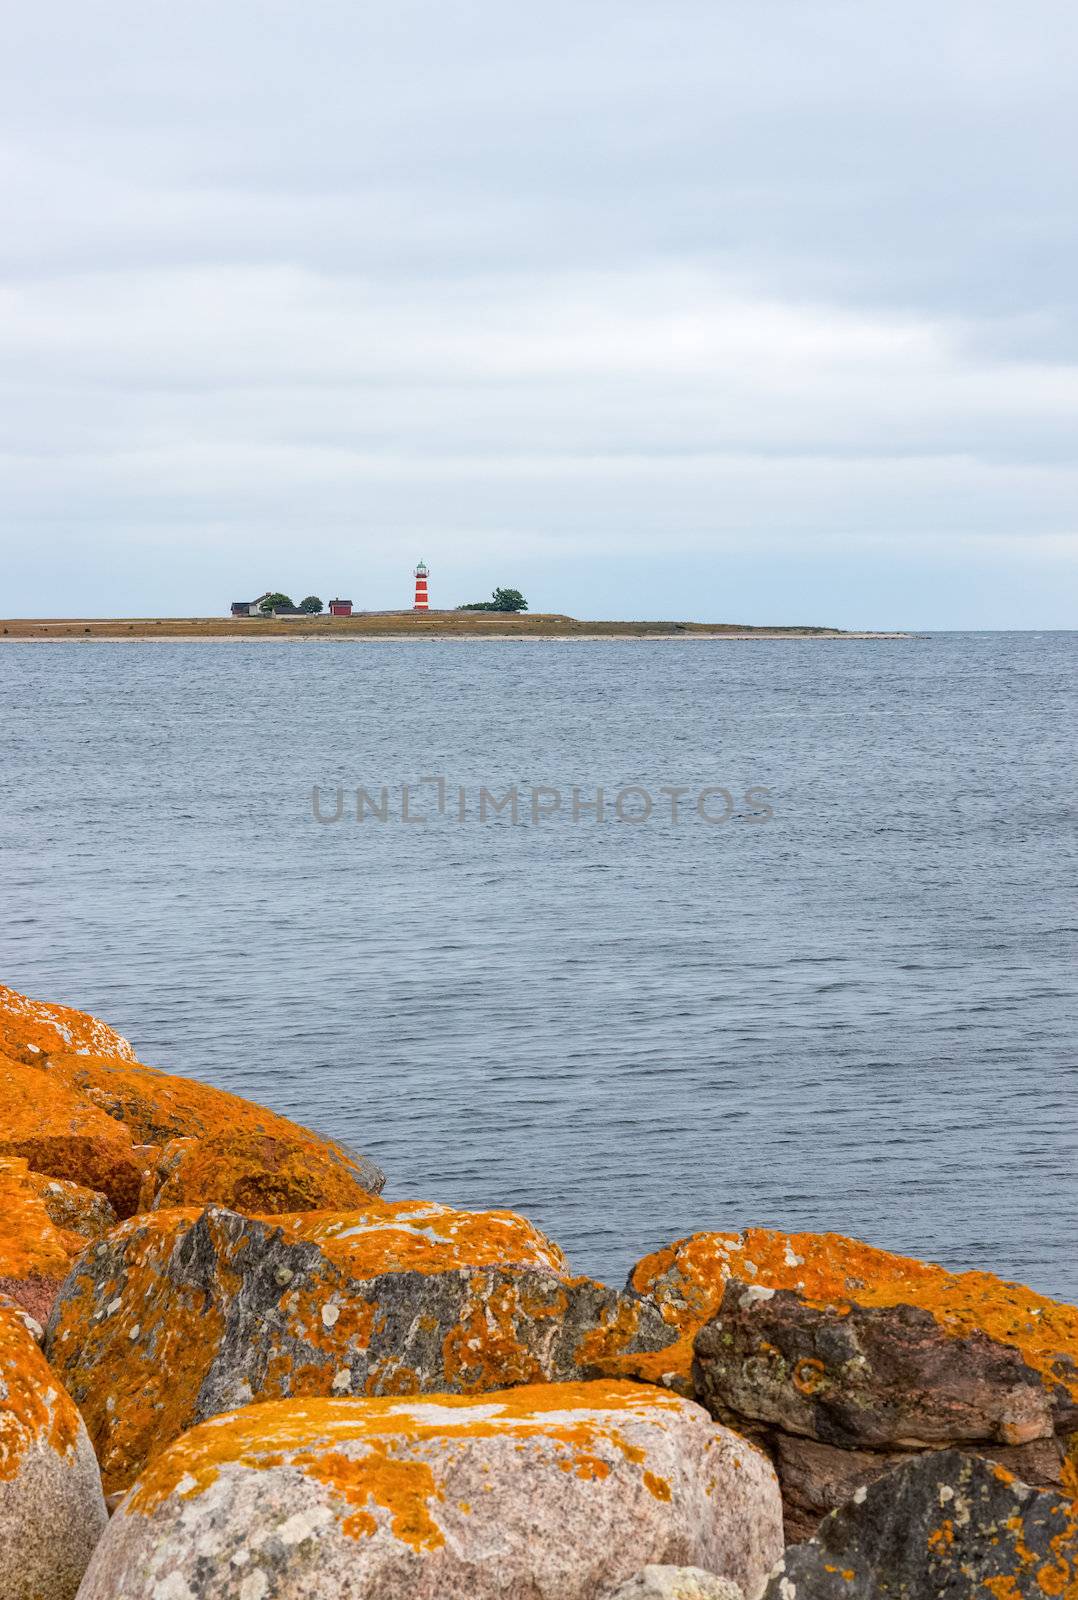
(757, 312)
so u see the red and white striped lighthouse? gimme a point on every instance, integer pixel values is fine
(421, 601)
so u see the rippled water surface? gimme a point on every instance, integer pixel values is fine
(857, 1016)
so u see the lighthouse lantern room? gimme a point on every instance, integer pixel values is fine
(421, 601)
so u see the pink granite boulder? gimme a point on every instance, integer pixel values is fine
(52, 1511)
(547, 1492)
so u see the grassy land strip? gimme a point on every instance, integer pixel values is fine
(396, 624)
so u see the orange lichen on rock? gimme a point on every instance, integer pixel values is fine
(44, 1224)
(253, 1158)
(158, 1106)
(52, 1511)
(942, 1523)
(574, 1417)
(34, 1254)
(155, 1370)
(81, 1214)
(687, 1280)
(59, 1133)
(136, 1346)
(33, 1407)
(422, 1236)
(256, 1173)
(179, 1314)
(405, 1488)
(484, 1348)
(602, 1345)
(32, 1028)
(558, 1489)
(1069, 1474)
(30, 1244)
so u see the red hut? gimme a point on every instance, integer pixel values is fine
(340, 608)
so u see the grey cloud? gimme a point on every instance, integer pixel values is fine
(540, 279)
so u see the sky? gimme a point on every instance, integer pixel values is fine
(748, 312)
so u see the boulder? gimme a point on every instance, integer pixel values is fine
(940, 1524)
(260, 1173)
(873, 1357)
(35, 1255)
(44, 1224)
(59, 1133)
(30, 1029)
(871, 1377)
(98, 1068)
(158, 1107)
(423, 1235)
(816, 1477)
(180, 1315)
(82, 1214)
(20, 1313)
(33, 1295)
(550, 1492)
(52, 1512)
(677, 1583)
(686, 1279)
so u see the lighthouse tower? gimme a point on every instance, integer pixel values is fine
(421, 602)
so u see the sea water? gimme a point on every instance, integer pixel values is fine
(845, 1004)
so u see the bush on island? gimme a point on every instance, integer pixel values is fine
(501, 600)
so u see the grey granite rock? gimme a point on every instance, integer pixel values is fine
(192, 1316)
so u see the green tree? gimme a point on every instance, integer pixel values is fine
(501, 600)
(273, 600)
(311, 604)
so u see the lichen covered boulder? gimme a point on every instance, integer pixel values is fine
(29, 1239)
(30, 1029)
(26, 1318)
(260, 1173)
(158, 1107)
(554, 1492)
(821, 1346)
(59, 1133)
(52, 1511)
(35, 1254)
(180, 1315)
(44, 1224)
(941, 1524)
(686, 1279)
(872, 1377)
(81, 1214)
(422, 1235)
(222, 1147)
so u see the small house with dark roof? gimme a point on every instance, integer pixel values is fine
(249, 608)
(340, 608)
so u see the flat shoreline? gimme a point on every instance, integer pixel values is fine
(403, 627)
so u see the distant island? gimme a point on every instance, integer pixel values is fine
(411, 624)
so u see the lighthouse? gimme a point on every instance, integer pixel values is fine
(421, 601)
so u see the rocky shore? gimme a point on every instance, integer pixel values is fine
(230, 1369)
